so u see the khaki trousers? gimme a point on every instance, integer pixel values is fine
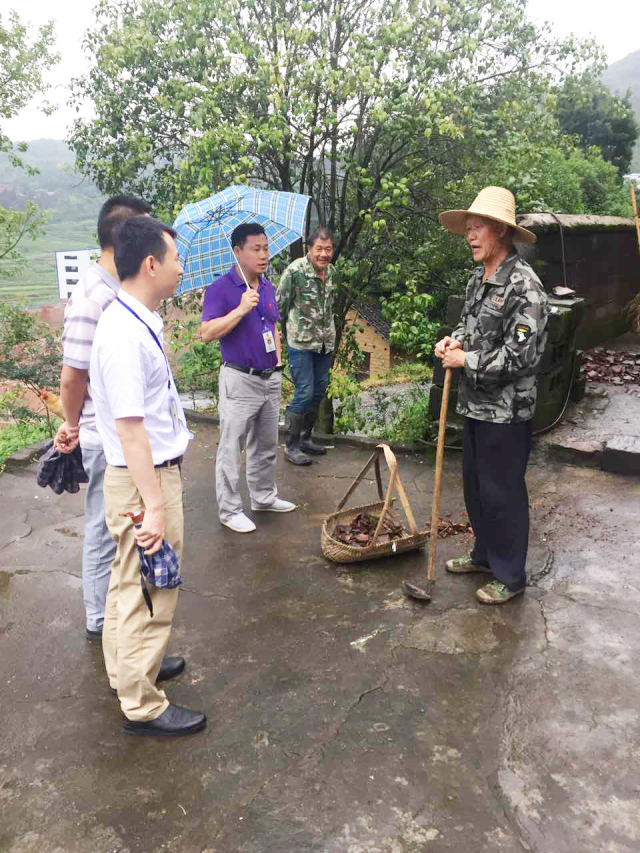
(133, 641)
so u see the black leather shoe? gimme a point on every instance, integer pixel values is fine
(94, 635)
(174, 722)
(170, 667)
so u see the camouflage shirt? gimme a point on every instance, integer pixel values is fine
(503, 330)
(306, 306)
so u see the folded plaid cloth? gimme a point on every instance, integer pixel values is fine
(63, 472)
(161, 569)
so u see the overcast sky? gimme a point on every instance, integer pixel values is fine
(615, 23)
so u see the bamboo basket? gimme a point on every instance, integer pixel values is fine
(338, 551)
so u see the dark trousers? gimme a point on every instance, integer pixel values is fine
(310, 373)
(495, 494)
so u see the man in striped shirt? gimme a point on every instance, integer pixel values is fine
(91, 296)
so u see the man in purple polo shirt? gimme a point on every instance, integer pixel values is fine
(240, 311)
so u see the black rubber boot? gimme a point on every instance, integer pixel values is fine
(295, 424)
(307, 444)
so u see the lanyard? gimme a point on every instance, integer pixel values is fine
(153, 335)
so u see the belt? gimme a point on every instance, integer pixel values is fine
(263, 374)
(168, 463)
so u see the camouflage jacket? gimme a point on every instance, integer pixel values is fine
(306, 306)
(503, 330)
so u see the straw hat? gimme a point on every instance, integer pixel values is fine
(494, 203)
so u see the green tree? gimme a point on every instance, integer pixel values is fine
(383, 112)
(587, 109)
(348, 101)
(24, 59)
(14, 225)
(30, 358)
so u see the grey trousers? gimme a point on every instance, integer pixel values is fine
(249, 409)
(99, 549)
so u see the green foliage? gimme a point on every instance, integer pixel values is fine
(411, 423)
(359, 106)
(23, 62)
(384, 113)
(30, 357)
(14, 226)
(16, 436)
(345, 393)
(587, 110)
(197, 362)
(406, 371)
(344, 388)
(24, 59)
(412, 329)
(561, 178)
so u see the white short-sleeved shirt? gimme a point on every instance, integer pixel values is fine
(131, 378)
(92, 295)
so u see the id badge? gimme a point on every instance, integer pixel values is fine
(174, 416)
(269, 343)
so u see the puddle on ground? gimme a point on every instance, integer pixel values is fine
(454, 633)
(5, 580)
(66, 531)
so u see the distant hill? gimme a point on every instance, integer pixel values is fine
(621, 76)
(73, 203)
(57, 186)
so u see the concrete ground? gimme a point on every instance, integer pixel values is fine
(603, 429)
(343, 718)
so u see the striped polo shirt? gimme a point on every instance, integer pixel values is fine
(91, 296)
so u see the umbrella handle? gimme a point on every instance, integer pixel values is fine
(238, 265)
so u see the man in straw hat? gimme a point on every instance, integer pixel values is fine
(497, 346)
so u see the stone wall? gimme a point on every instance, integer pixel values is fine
(370, 341)
(602, 266)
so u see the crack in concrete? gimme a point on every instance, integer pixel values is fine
(546, 626)
(205, 594)
(18, 571)
(341, 477)
(36, 701)
(18, 538)
(500, 798)
(25, 520)
(316, 752)
(546, 570)
(593, 606)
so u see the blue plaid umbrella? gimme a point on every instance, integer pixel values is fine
(204, 229)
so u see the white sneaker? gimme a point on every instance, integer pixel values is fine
(240, 523)
(277, 506)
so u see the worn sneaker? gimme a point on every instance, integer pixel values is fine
(277, 506)
(496, 592)
(239, 523)
(464, 565)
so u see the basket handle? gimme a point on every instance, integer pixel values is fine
(358, 479)
(393, 471)
(394, 480)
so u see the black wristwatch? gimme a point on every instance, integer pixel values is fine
(278, 367)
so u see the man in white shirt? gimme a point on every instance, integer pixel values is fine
(141, 421)
(92, 295)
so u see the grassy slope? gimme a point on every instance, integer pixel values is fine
(73, 205)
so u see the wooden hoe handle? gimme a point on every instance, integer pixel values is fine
(433, 537)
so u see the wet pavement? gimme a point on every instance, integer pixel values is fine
(603, 429)
(342, 717)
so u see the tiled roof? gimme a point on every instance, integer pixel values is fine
(370, 311)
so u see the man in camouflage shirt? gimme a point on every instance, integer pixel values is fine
(497, 345)
(305, 299)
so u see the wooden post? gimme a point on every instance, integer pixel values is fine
(632, 190)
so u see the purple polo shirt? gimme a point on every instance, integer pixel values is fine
(243, 345)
